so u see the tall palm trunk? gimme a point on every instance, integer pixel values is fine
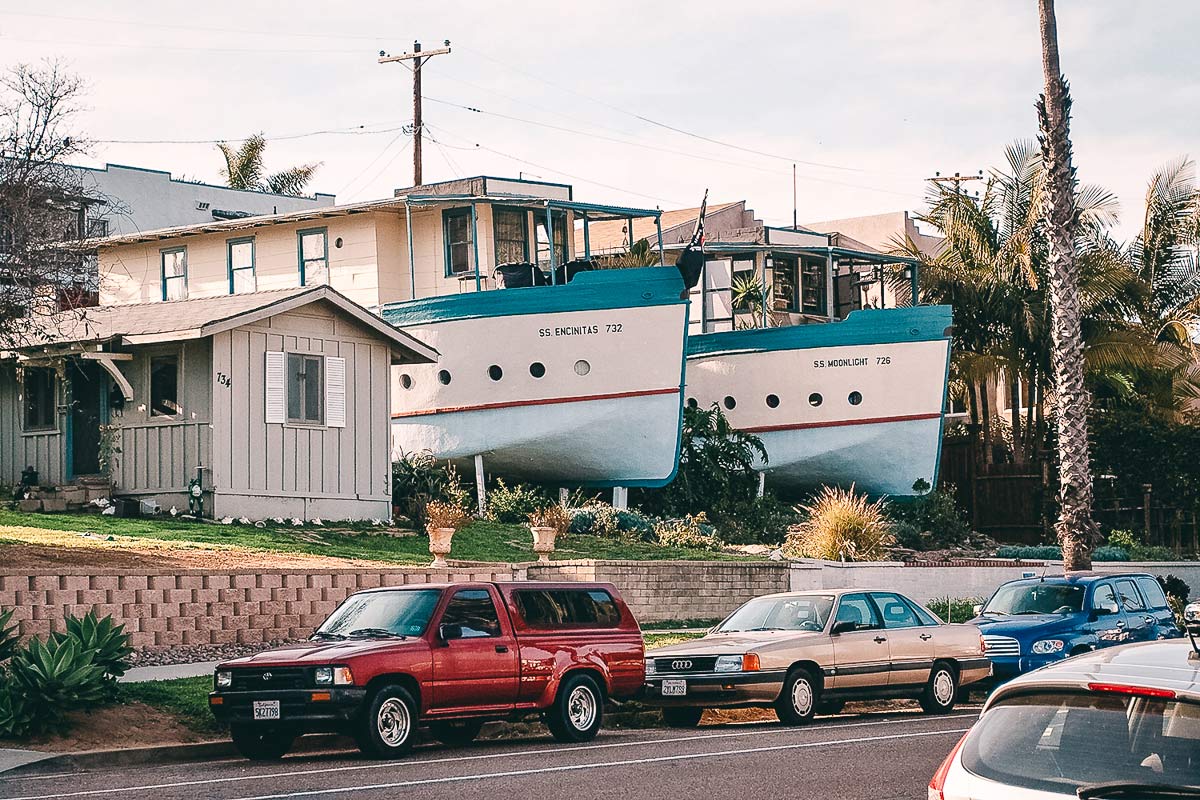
(1013, 375)
(1076, 530)
(985, 419)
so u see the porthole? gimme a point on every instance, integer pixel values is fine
(406, 381)
(855, 398)
(338, 243)
(773, 401)
(582, 367)
(814, 399)
(729, 402)
(537, 369)
(444, 378)
(691, 403)
(495, 373)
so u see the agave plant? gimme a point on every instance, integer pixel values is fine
(56, 676)
(107, 641)
(8, 635)
(16, 712)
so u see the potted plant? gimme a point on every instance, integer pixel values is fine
(441, 521)
(548, 524)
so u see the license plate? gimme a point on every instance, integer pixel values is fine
(266, 709)
(674, 688)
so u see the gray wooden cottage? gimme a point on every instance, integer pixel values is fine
(276, 403)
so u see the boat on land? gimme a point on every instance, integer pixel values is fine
(859, 401)
(578, 383)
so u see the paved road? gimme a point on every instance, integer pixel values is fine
(873, 756)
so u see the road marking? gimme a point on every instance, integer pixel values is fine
(485, 756)
(598, 765)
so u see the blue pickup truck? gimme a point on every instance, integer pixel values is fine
(1032, 622)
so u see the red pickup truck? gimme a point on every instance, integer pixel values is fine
(449, 657)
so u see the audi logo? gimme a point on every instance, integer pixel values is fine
(681, 664)
(266, 676)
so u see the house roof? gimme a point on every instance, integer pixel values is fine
(610, 235)
(175, 320)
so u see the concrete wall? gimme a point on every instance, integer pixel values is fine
(148, 199)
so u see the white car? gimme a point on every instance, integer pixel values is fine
(1123, 722)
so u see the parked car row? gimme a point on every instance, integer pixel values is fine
(451, 657)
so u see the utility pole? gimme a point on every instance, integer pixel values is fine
(957, 179)
(418, 57)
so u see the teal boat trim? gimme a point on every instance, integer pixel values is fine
(869, 326)
(597, 290)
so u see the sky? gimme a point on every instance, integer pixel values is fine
(643, 104)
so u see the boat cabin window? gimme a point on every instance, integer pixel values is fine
(812, 287)
(560, 239)
(510, 227)
(784, 283)
(460, 256)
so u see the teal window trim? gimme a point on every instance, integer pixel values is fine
(558, 220)
(447, 215)
(300, 234)
(162, 269)
(229, 245)
(524, 214)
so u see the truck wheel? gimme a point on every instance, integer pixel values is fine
(577, 711)
(386, 728)
(259, 743)
(942, 690)
(797, 702)
(456, 733)
(682, 717)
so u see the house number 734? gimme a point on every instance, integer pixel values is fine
(224, 380)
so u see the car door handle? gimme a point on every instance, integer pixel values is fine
(501, 648)
(1120, 623)
(925, 637)
(880, 639)
(1149, 620)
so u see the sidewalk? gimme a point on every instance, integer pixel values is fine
(169, 672)
(11, 759)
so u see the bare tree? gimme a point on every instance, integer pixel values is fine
(1076, 529)
(46, 211)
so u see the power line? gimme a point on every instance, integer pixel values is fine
(418, 59)
(373, 161)
(178, 48)
(357, 130)
(169, 26)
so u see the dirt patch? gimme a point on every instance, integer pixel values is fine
(133, 556)
(119, 727)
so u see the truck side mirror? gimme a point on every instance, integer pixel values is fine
(450, 631)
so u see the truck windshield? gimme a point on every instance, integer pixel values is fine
(401, 613)
(1059, 742)
(804, 613)
(1038, 598)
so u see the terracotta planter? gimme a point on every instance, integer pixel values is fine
(439, 545)
(543, 542)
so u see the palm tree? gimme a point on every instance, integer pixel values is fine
(244, 169)
(1076, 530)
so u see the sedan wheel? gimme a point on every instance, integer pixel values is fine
(797, 702)
(941, 691)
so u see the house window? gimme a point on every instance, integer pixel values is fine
(559, 220)
(306, 391)
(812, 287)
(174, 273)
(511, 230)
(241, 265)
(40, 400)
(313, 246)
(460, 258)
(784, 283)
(164, 386)
(97, 228)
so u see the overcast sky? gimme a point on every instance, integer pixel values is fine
(869, 98)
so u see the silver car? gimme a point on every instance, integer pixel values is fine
(1120, 722)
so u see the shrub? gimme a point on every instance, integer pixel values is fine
(445, 515)
(8, 635)
(908, 535)
(935, 515)
(1030, 552)
(760, 520)
(418, 479)
(54, 677)
(1132, 544)
(841, 526)
(1175, 587)
(691, 531)
(107, 641)
(16, 713)
(553, 516)
(1110, 553)
(513, 505)
(610, 523)
(955, 609)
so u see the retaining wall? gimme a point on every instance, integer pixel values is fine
(197, 608)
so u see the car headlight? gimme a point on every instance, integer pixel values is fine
(323, 676)
(1048, 647)
(746, 663)
(224, 679)
(650, 668)
(333, 676)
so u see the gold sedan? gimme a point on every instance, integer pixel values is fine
(804, 653)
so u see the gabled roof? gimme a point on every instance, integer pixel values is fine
(176, 320)
(610, 235)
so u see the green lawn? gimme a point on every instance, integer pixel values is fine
(481, 541)
(185, 698)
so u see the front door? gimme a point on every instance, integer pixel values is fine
(1109, 619)
(910, 643)
(861, 656)
(477, 669)
(1137, 619)
(89, 394)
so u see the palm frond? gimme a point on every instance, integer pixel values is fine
(292, 181)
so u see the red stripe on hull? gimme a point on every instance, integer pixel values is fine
(799, 426)
(545, 402)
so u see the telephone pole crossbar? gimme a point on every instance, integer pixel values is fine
(418, 57)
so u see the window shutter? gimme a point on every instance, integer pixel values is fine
(335, 392)
(276, 387)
